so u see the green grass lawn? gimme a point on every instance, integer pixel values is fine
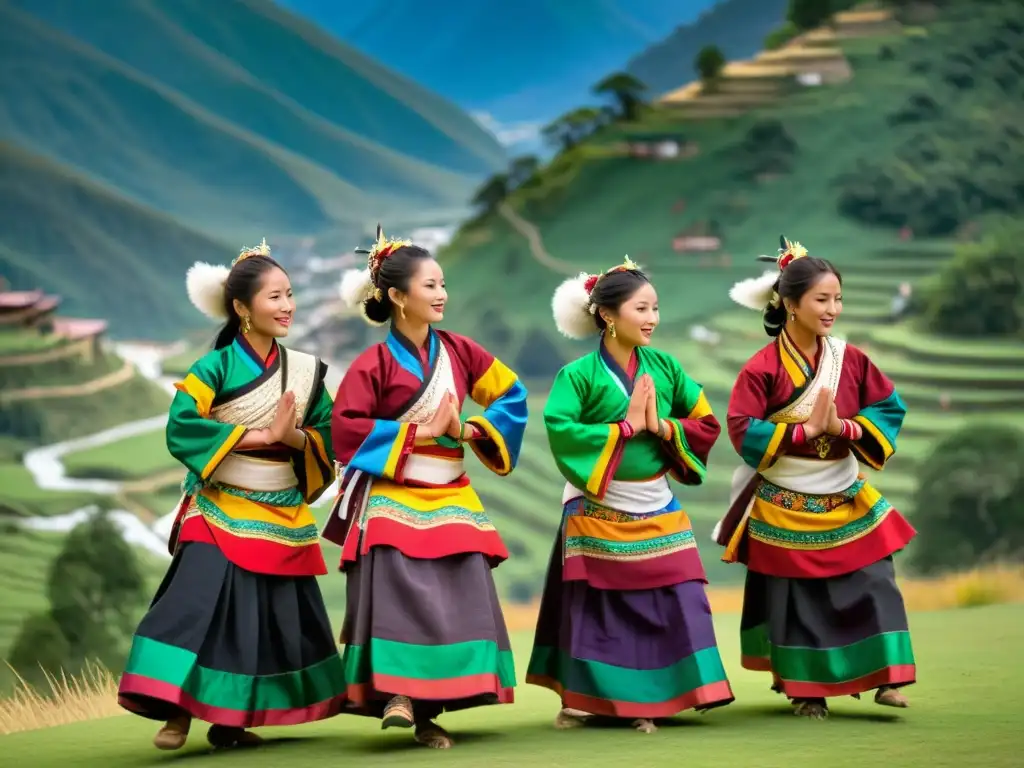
(969, 696)
(132, 458)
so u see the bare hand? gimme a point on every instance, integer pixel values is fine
(835, 426)
(454, 430)
(284, 418)
(636, 414)
(817, 423)
(442, 419)
(651, 413)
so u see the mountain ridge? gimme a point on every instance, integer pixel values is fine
(238, 125)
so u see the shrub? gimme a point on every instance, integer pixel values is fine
(981, 291)
(709, 63)
(781, 35)
(967, 502)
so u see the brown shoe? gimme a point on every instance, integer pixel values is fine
(226, 737)
(816, 709)
(643, 725)
(891, 697)
(173, 734)
(568, 718)
(432, 735)
(398, 713)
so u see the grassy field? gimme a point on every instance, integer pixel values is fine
(969, 695)
(129, 459)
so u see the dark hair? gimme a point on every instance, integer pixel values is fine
(243, 283)
(613, 290)
(395, 272)
(799, 276)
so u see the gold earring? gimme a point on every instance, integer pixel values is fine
(611, 329)
(246, 325)
(792, 317)
(401, 310)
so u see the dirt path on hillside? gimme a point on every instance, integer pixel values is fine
(112, 379)
(537, 249)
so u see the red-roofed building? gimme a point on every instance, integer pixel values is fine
(27, 309)
(35, 311)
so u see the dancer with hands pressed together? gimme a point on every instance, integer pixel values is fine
(424, 631)
(625, 627)
(237, 634)
(821, 608)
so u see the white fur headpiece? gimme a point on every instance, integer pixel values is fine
(205, 285)
(355, 289)
(755, 292)
(571, 308)
(205, 282)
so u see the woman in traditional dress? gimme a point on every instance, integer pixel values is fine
(237, 634)
(821, 608)
(625, 627)
(424, 631)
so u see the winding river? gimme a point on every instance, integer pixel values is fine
(47, 467)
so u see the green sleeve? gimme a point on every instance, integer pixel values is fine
(587, 455)
(193, 438)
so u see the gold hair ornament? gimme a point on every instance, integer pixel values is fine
(260, 250)
(380, 250)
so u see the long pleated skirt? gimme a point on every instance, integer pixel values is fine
(232, 647)
(431, 630)
(827, 637)
(645, 653)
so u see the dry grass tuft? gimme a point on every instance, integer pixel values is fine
(71, 699)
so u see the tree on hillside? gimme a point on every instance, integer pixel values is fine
(809, 14)
(568, 130)
(521, 170)
(96, 591)
(709, 63)
(491, 193)
(968, 499)
(628, 92)
(767, 148)
(781, 35)
(981, 291)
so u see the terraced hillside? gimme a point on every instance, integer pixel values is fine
(589, 207)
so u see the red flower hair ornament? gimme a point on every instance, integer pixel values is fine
(571, 304)
(756, 293)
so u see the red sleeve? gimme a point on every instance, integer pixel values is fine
(758, 441)
(378, 447)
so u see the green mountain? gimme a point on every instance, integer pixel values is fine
(237, 124)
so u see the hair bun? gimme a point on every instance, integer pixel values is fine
(571, 308)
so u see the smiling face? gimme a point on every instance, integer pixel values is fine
(425, 299)
(819, 308)
(272, 308)
(637, 317)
